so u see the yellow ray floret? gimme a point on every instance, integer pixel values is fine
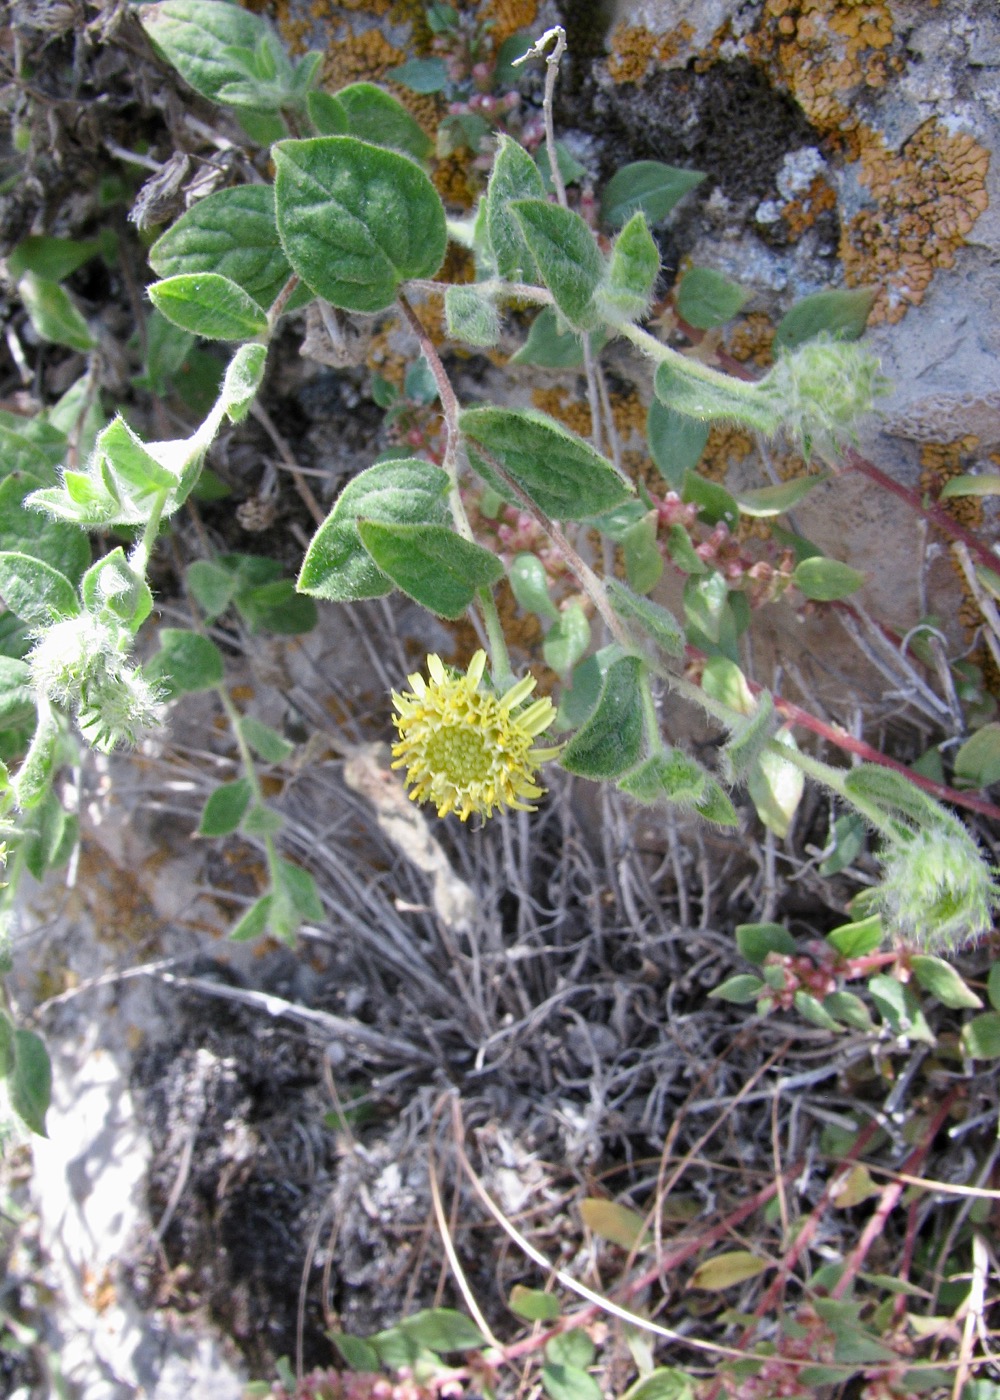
(467, 749)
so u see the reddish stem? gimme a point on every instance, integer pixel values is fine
(930, 510)
(890, 1197)
(833, 733)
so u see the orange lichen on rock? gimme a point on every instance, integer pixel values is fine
(627, 410)
(506, 17)
(928, 196)
(726, 446)
(558, 403)
(456, 181)
(357, 57)
(802, 212)
(634, 48)
(750, 339)
(825, 49)
(939, 462)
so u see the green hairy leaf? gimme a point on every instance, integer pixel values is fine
(431, 564)
(776, 786)
(337, 565)
(711, 397)
(611, 740)
(233, 233)
(668, 776)
(356, 220)
(30, 1080)
(209, 305)
(660, 626)
(705, 298)
(205, 40)
(34, 591)
(676, 442)
(632, 271)
(225, 807)
(53, 314)
(841, 313)
(52, 258)
(548, 345)
(567, 641)
(568, 258)
(112, 587)
(186, 661)
(646, 185)
(471, 316)
(376, 116)
(24, 531)
(561, 473)
(515, 176)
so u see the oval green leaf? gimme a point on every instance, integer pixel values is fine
(356, 220)
(705, 298)
(337, 565)
(826, 580)
(209, 305)
(431, 564)
(233, 233)
(225, 807)
(842, 313)
(726, 1270)
(942, 981)
(568, 258)
(563, 475)
(646, 185)
(30, 1082)
(34, 591)
(611, 740)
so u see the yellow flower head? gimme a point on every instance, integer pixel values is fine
(466, 749)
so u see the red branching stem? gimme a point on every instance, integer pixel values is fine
(889, 1198)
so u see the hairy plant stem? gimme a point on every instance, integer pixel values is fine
(138, 558)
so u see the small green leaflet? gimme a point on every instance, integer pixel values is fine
(648, 185)
(676, 442)
(514, 176)
(53, 314)
(826, 580)
(765, 501)
(376, 116)
(841, 313)
(233, 233)
(209, 305)
(34, 591)
(186, 661)
(207, 42)
(548, 345)
(632, 271)
(471, 316)
(705, 298)
(568, 258)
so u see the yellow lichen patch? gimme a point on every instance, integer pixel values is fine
(508, 16)
(928, 196)
(358, 57)
(627, 410)
(634, 48)
(749, 340)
